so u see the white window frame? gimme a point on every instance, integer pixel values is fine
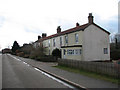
(54, 42)
(49, 43)
(105, 50)
(66, 39)
(78, 51)
(76, 37)
(60, 41)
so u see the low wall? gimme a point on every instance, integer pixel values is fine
(104, 68)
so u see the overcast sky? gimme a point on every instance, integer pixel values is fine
(24, 20)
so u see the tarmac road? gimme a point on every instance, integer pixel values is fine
(17, 74)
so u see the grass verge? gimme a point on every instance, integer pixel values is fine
(90, 74)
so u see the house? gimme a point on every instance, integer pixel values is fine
(88, 42)
(6, 50)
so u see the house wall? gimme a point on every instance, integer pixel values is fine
(94, 40)
(51, 47)
(66, 55)
(71, 38)
(71, 42)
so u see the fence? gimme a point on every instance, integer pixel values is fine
(104, 68)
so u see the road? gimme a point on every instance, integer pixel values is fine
(17, 74)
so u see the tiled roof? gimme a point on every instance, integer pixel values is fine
(78, 28)
(82, 27)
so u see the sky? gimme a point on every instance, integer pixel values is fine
(24, 20)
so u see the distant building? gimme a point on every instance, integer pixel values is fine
(117, 37)
(6, 50)
(88, 42)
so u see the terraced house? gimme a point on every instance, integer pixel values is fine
(88, 42)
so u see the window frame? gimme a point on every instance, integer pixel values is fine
(66, 39)
(76, 38)
(49, 43)
(60, 41)
(105, 50)
(54, 42)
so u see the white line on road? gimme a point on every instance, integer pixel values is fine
(18, 60)
(14, 57)
(24, 62)
(50, 76)
(60, 81)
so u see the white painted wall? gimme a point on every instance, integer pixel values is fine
(57, 43)
(94, 40)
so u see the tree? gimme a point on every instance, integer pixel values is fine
(115, 51)
(15, 47)
(37, 53)
(56, 52)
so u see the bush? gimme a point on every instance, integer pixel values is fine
(115, 51)
(115, 54)
(57, 53)
(47, 59)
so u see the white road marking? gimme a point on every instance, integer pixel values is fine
(60, 81)
(24, 62)
(19, 60)
(14, 57)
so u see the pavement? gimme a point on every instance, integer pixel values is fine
(84, 81)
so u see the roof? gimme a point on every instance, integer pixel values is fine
(82, 27)
(78, 28)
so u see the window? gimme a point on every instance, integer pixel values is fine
(53, 42)
(78, 51)
(64, 51)
(49, 43)
(105, 50)
(49, 52)
(66, 39)
(70, 52)
(60, 41)
(74, 52)
(76, 38)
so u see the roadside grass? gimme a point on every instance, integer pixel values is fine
(90, 74)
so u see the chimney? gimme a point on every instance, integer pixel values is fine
(90, 18)
(77, 24)
(39, 37)
(58, 29)
(44, 35)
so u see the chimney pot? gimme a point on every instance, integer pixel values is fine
(39, 37)
(90, 18)
(58, 29)
(77, 24)
(44, 35)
